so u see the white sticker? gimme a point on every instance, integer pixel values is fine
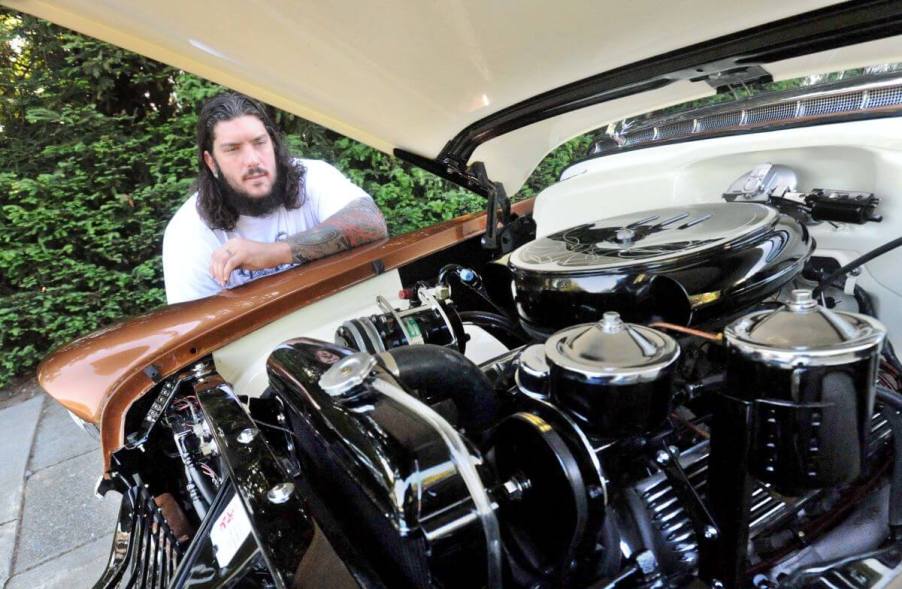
(230, 530)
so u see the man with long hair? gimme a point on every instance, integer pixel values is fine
(257, 210)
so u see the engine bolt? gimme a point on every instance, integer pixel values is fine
(200, 369)
(247, 435)
(710, 532)
(662, 457)
(280, 493)
(515, 488)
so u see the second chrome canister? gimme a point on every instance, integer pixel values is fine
(810, 374)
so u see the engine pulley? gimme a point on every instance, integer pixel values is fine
(544, 504)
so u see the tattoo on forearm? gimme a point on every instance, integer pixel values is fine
(356, 224)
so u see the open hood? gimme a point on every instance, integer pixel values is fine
(446, 84)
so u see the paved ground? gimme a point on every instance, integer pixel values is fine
(53, 531)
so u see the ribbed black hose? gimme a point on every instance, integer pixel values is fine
(445, 373)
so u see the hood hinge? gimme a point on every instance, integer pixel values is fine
(498, 211)
(475, 178)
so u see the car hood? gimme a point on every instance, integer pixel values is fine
(413, 75)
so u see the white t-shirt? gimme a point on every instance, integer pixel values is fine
(188, 242)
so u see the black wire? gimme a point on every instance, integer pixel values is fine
(281, 429)
(475, 287)
(859, 261)
(508, 332)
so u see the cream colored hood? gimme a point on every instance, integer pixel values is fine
(413, 74)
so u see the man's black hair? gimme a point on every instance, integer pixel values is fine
(216, 202)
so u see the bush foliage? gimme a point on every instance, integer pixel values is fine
(96, 155)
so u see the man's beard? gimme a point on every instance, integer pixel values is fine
(252, 206)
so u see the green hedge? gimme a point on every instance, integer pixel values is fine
(97, 153)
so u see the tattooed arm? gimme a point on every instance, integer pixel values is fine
(357, 223)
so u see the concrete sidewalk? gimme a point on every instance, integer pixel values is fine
(53, 531)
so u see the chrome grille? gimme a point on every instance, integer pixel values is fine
(145, 552)
(672, 521)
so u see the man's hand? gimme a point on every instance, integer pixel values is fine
(248, 255)
(357, 223)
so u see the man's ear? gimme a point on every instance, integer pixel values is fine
(211, 163)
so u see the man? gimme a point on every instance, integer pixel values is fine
(257, 210)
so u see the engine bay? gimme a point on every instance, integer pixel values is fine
(690, 396)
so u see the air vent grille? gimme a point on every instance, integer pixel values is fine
(719, 121)
(675, 130)
(885, 97)
(772, 110)
(833, 104)
(643, 136)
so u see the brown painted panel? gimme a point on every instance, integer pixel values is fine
(99, 376)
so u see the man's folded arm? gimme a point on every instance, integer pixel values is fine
(358, 223)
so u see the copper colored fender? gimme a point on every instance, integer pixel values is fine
(99, 376)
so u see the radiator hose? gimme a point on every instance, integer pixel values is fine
(439, 373)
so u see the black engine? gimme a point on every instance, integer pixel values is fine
(673, 411)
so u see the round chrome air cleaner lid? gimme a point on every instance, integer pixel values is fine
(612, 351)
(803, 333)
(645, 237)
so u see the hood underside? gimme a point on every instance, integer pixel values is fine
(432, 78)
